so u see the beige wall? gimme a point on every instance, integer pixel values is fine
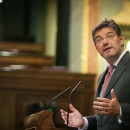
(75, 39)
(83, 55)
(84, 15)
(51, 27)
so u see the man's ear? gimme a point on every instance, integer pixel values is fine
(122, 37)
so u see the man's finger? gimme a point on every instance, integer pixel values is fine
(113, 94)
(96, 103)
(102, 99)
(72, 108)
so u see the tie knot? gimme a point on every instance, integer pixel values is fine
(111, 67)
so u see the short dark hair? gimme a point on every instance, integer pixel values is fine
(106, 23)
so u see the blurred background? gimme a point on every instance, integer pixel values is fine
(45, 47)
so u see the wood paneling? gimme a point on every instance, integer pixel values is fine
(23, 53)
(21, 88)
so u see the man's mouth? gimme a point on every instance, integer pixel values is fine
(106, 49)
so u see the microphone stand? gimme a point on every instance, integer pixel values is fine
(69, 103)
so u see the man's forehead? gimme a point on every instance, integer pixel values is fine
(104, 31)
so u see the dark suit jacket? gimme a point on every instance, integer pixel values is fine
(120, 82)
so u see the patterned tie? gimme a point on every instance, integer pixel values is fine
(107, 79)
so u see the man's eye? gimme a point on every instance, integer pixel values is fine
(99, 40)
(110, 36)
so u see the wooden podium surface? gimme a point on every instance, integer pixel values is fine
(20, 89)
(40, 121)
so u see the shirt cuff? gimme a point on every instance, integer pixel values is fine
(120, 116)
(85, 125)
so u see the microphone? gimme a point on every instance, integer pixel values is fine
(57, 96)
(69, 102)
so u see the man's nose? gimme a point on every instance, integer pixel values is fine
(105, 41)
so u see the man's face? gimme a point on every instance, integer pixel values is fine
(108, 44)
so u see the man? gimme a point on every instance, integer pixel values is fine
(112, 100)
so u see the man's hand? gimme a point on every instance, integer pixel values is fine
(75, 118)
(106, 106)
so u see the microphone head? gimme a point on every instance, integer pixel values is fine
(58, 96)
(76, 86)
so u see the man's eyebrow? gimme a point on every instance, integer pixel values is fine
(106, 34)
(109, 33)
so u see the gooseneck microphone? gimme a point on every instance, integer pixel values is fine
(69, 103)
(57, 96)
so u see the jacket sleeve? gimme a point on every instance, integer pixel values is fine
(125, 113)
(92, 122)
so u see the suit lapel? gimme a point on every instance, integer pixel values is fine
(117, 73)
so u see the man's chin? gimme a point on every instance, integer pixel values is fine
(108, 56)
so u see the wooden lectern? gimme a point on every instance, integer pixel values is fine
(40, 121)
